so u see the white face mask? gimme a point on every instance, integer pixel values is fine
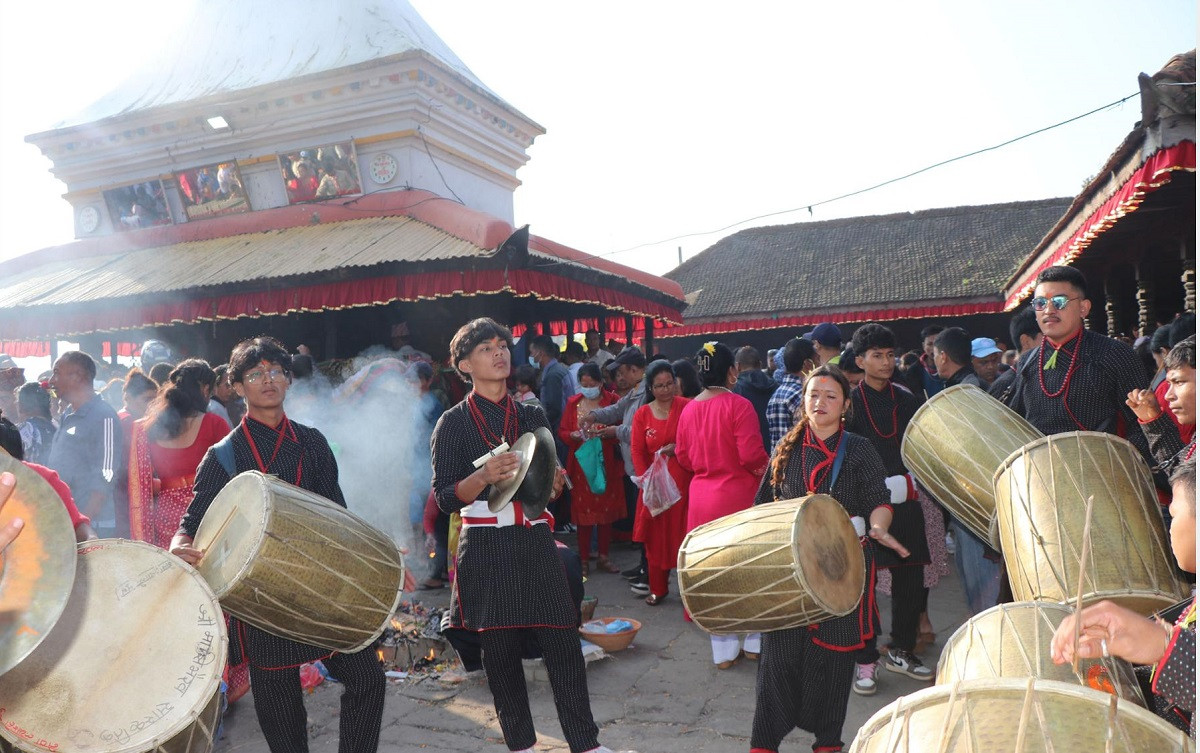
(533, 361)
(591, 393)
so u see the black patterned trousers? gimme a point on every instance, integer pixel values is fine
(279, 704)
(800, 685)
(568, 680)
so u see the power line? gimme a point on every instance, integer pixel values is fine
(860, 191)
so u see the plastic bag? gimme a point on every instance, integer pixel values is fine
(590, 455)
(659, 491)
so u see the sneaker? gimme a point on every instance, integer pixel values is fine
(864, 679)
(903, 662)
(640, 587)
(634, 573)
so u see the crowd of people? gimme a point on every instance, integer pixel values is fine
(649, 449)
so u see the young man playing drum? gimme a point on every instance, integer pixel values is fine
(510, 581)
(267, 441)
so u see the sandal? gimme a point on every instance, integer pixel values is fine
(750, 655)
(654, 599)
(730, 663)
(605, 566)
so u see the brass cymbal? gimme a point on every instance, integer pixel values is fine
(534, 480)
(37, 570)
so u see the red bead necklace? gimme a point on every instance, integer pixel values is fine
(285, 428)
(508, 433)
(895, 411)
(1066, 385)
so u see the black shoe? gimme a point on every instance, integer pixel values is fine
(640, 587)
(634, 573)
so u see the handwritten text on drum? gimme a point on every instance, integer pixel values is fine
(20, 731)
(202, 658)
(123, 736)
(129, 586)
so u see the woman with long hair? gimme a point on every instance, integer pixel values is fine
(719, 442)
(655, 426)
(805, 676)
(687, 383)
(166, 447)
(589, 508)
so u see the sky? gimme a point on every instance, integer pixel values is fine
(670, 119)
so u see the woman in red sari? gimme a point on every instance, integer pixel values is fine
(654, 426)
(588, 508)
(167, 446)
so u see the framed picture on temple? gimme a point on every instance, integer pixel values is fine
(212, 191)
(320, 172)
(139, 205)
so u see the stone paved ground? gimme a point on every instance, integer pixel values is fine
(663, 694)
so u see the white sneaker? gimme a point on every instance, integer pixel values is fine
(904, 663)
(864, 679)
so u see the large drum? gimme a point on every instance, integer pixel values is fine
(1042, 491)
(1013, 640)
(133, 665)
(953, 445)
(1016, 716)
(296, 565)
(780, 565)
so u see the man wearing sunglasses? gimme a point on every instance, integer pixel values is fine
(1077, 380)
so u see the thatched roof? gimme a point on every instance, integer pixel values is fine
(935, 256)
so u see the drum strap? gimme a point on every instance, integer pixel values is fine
(223, 452)
(837, 461)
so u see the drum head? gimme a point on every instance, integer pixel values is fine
(38, 569)
(232, 531)
(1016, 716)
(828, 554)
(136, 658)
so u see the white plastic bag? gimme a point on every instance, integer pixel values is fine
(659, 491)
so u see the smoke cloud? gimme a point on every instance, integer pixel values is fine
(375, 423)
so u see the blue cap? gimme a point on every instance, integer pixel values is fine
(982, 347)
(827, 334)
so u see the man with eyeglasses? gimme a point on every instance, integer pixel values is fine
(1076, 380)
(267, 441)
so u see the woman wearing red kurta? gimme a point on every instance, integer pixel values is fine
(165, 450)
(589, 509)
(654, 430)
(719, 441)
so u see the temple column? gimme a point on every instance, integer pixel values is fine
(1188, 277)
(1111, 305)
(1145, 297)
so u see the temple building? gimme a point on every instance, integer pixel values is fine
(328, 173)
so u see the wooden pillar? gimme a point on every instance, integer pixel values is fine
(649, 335)
(1110, 303)
(112, 352)
(628, 329)
(1188, 277)
(53, 350)
(1145, 297)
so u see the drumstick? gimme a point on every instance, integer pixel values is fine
(1083, 557)
(217, 536)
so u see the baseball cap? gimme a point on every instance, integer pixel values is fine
(825, 333)
(982, 347)
(631, 355)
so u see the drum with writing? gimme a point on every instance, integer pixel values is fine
(134, 664)
(296, 565)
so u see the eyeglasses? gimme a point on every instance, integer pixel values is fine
(668, 386)
(1059, 302)
(274, 375)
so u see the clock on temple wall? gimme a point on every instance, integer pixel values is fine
(89, 219)
(383, 168)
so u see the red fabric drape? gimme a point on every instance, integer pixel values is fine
(37, 349)
(1155, 173)
(847, 317)
(337, 295)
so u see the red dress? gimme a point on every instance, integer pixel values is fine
(588, 508)
(161, 478)
(663, 534)
(719, 441)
